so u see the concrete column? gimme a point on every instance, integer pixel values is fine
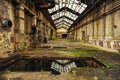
(93, 24)
(20, 28)
(49, 33)
(21, 17)
(41, 32)
(34, 21)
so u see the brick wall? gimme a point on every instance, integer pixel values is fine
(6, 34)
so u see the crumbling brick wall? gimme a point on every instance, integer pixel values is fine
(6, 34)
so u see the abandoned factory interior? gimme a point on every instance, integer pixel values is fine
(59, 39)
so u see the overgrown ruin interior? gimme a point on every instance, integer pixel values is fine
(59, 39)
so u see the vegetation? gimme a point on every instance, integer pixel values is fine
(104, 57)
(54, 38)
(71, 40)
(74, 53)
(22, 46)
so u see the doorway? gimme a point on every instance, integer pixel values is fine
(83, 35)
(51, 34)
(64, 36)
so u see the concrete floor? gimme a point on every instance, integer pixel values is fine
(110, 58)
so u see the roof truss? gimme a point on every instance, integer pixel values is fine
(64, 17)
(70, 9)
(64, 21)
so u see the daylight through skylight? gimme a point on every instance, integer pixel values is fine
(60, 11)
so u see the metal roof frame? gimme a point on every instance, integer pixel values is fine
(70, 9)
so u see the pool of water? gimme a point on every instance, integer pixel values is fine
(54, 65)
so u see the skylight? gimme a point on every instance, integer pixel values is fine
(63, 19)
(64, 13)
(60, 11)
(62, 25)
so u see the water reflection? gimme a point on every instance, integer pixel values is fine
(53, 65)
(63, 65)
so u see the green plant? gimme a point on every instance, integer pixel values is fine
(22, 45)
(54, 38)
(71, 40)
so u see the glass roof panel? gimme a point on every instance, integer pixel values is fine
(76, 1)
(74, 6)
(67, 3)
(63, 23)
(61, 8)
(64, 13)
(63, 19)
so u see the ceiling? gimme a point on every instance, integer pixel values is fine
(66, 12)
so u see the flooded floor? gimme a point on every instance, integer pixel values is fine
(65, 48)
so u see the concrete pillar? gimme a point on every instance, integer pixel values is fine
(49, 33)
(21, 17)
(19, 28)
(34, 21)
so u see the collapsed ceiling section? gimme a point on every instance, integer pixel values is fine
(66, 12)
